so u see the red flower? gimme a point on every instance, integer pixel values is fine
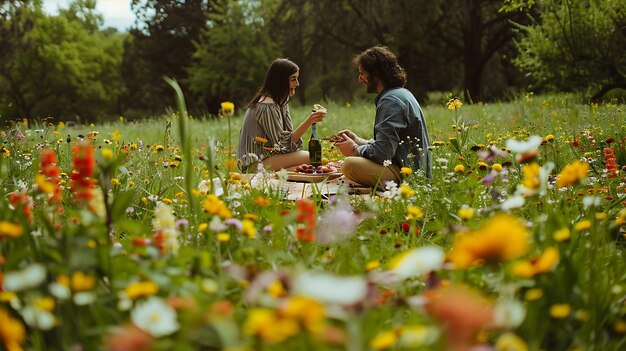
(49, 169)
(81, 177)
(306, 216)
(23, 202)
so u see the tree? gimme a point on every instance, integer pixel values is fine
(575, 46)
(232, 56)
(68, 71)
(162, 43)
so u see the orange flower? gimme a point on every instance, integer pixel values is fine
(306, 216)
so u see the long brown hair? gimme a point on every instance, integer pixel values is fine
(276, 83)
(382, 64)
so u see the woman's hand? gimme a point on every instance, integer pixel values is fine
(347, 134)
(316, 116)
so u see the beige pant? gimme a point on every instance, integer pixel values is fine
(369, 173)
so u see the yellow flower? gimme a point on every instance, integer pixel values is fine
(107, 154)
(82, 282)
(542, 264)
(167, 200)
(248, 228)
(533, 294)
(12, 332)
(202, 227)
(228, 108)
(44, 303)
(502, 238)
(406, 191)
(549, 138)
(251, 216)
(406, 170)
(141, 289)
(619, 327)
(10, 229)
(268, 326)
(496, 167)
(384, 340)
(582, 225)
(572, 174)
(482, 165)
(459, 169)
(116, 135)
(531, 176)
(276, 289)
(560, 310)
(414, 212)
(223, 237)
(466, 213)
(561, 234)
(308, 312)
(214, 206)
(158, 148)
(260, 140)
(43, 185)
(454, 103)
(510, 342)
(371, 265)
(115, 181)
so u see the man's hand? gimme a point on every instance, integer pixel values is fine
(349, 135)
(347, 147)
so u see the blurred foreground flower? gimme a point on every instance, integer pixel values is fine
(128, 338)
(331, 289)
(155, 317)
(12, 333)
(337, 222)
(502, 238)
(572, 174)
(417, 262)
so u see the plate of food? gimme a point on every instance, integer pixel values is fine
(312, 174)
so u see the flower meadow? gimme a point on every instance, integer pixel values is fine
(145, 236)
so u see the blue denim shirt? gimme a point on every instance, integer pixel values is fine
(400, 133)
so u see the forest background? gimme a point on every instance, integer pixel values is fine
(68, 66)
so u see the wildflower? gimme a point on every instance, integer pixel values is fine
(24, 202)
(549, 138)
(330, 289)
(542, 264)
(306, 311)
(155, 317)
(502, 238)
(158, 148)
(414, 213)
(417, 262)
(12, 332)
(337, 223)
(610, 169)
(371, 265)
(5, 152)
(406, 191)
(459, 169)
(141, 289)
(384, 340)
(386, 163)
(38, 314)
(128, 337)
(202, 227)
(228, 108)
(535, 179)
(533, 294)
(9, 229)
(306, 217)
(29, 277)
(269, 326)
(214, 206)
(406, 170)
(51, 173)
(496, 167)
(572, 174)
(562, 234)
(223, 237)
(261, 201)
(81, 282)
(248, 228)
(164, 223)
(560, 311)
(260, 140)
(583, 225)
(510, 342)
(454, 103)
(465, 213)
(81, 177)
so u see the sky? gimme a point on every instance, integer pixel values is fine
(116, 13)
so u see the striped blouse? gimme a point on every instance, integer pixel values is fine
(267, 129)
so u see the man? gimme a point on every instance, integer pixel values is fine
(400, 135)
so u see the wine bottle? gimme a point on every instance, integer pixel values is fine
(315, 148)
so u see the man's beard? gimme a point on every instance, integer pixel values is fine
(371, 86)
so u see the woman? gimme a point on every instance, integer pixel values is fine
(267, 135)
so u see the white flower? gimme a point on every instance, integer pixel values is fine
(386, 163)
(165, 222)
(155, 317)
(520, 147)
(38, 318)
(516, 201)
(216, 225)
(337, 222)
(204, 186)
(27, 278)
(591, 201)
(417, 262)
(508, 314)
(331, 289)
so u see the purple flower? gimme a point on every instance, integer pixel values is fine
(235, 223)
(337, 223)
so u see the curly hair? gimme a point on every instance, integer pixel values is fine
(382, 64)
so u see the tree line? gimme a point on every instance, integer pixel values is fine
(69, 66)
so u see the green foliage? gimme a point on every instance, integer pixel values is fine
(575, 46)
